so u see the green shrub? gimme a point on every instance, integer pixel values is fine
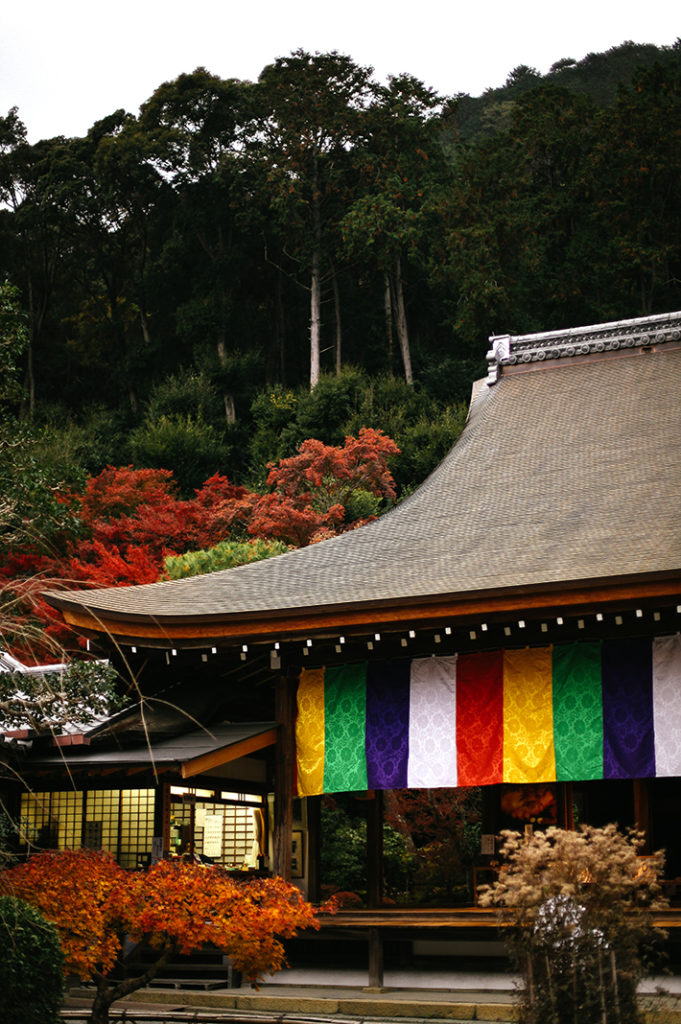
(32, 516)
(272, 411)
(226, 555)
(361, 504)
(192, 448)
(424, 443)
(186, 393)
(31, 966)
(14, 338)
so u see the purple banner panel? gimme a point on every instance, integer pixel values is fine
(387, 724)
(628, 731)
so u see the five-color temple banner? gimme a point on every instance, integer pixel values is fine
(601, 710)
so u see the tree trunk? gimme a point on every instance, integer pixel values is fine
(28, 408)
(388, 307)
(144, 324)
(280, 327)
(29, 377)
(99, 1012)
(230, 408)
(315, 289)
(401, 323)
(132, 398)
(107, 994)
(227, 397)
(339, 331)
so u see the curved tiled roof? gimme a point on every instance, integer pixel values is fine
(568, 470)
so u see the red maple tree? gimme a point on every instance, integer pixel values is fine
(313, 489)
(130, 520)
(173, 907)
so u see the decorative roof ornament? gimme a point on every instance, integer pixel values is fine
(642, 332)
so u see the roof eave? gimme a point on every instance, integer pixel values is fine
(200, 630)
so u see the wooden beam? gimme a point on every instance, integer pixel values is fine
(216, 758)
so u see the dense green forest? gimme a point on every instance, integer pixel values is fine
(186, 271)
(242, 266)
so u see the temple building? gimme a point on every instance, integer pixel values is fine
(513, 625)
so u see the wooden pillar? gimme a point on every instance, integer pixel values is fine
(565, 801)
(375, 849)
(375, 959)
(164, 790)
(375, 884)
(642, 812)
(284, 703)
(314, 833)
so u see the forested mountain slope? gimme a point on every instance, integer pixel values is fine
(188, 272)
(597, 76)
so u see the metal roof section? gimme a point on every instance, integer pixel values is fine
(567, 478)
(191, 753)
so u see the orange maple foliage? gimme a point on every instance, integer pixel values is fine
(172, 907)
(73, 890)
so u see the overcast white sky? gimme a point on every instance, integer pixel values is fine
(67, 63)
